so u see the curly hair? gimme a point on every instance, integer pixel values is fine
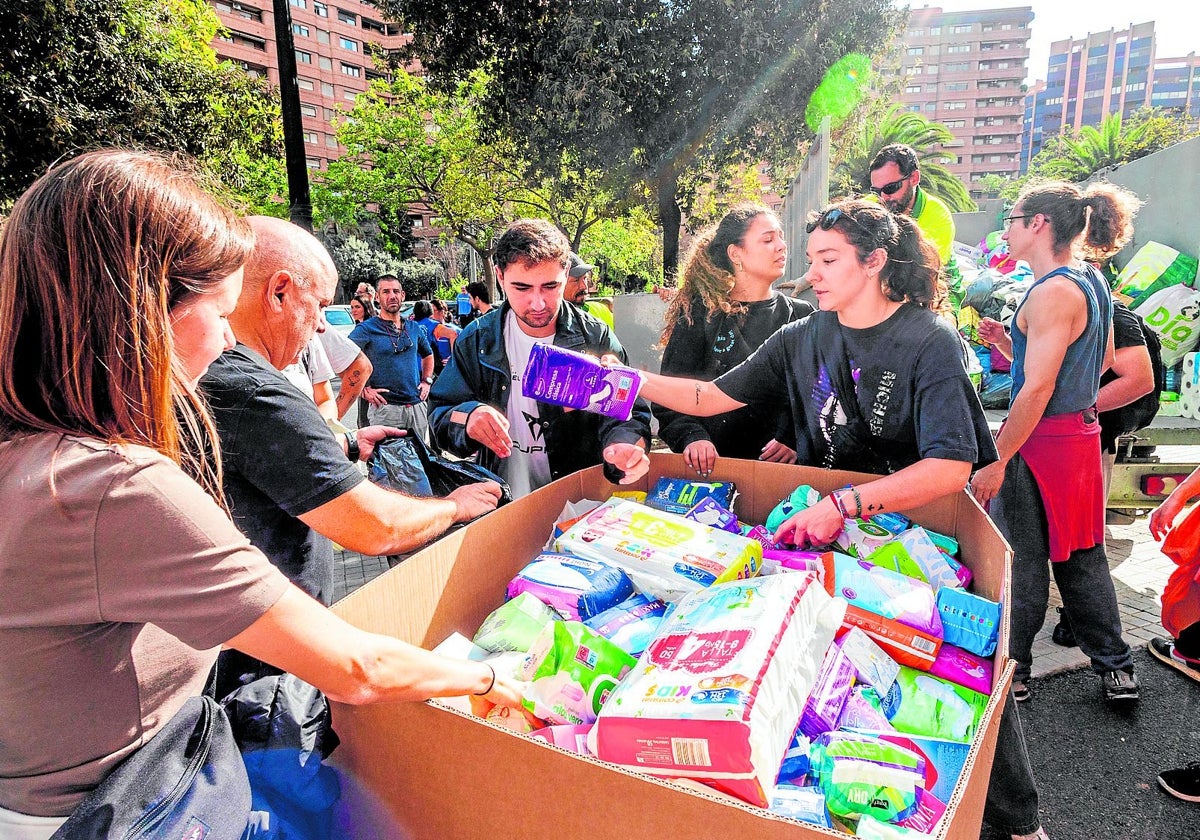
(1102, 213)
(913, 272)
(707, 274)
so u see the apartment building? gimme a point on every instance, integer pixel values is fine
(966, 70)
(335, 44)
(1111, 72)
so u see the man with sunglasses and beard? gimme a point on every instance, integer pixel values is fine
(401, 361)
(896, 180)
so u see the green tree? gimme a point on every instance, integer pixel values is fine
(623, 246)
(650, 93)
(76, 74)
(882, 125)
(357, 260)
(1078, 155)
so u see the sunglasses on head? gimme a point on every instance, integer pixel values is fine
(828, 219)
(889, 189)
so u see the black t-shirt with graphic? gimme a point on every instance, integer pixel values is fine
(910, 379)
(705, 350)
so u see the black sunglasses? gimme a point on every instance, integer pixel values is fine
(889, 189)
(828, 219)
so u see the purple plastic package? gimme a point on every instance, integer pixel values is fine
(708, 511)
(829, 694)
(564, 377)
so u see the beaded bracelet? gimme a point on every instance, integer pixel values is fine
(491, 685)
(857, 501)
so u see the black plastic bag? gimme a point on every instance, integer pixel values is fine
(408, 465)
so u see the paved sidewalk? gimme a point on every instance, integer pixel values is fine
(1139, 571)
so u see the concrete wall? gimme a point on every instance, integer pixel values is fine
(1168, 181)
(970, 228)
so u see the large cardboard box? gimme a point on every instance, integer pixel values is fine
(421, 770)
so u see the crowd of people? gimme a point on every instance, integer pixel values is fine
(167, 424)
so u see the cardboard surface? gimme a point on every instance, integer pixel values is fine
(425, 771)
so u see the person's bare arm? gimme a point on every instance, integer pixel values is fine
(687, 396)
(350, 665)
(1135, 378)
(371, 520)
(353, 378)
(1054, 315)
(326, 404)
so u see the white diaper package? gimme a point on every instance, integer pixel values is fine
(665, 555)
(717, 695)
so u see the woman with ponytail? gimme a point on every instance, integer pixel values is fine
(724, 311)
(1047, 488)
(876, 381)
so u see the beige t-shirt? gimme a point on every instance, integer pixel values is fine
(119, 579)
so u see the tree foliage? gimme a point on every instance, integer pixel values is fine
(357, 260)
(624, 246)
(1078, 155)
(647, 92)
(882, 125)
(77, 74)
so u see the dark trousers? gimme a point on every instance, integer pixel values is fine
(1089, 597)
(1012, 798)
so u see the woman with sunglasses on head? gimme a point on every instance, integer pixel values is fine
(724, 310)
(876, 382)
(117, 274)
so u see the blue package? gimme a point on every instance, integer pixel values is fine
(631, 624)
(708, 511)
(806, 804)
(896, 523)
(678, 495)
(795, 767)
(969, 621)
(575, 588)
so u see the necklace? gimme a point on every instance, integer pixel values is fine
(393, 333)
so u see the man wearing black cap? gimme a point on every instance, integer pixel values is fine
(579, 283)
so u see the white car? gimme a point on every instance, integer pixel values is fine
(338, 318)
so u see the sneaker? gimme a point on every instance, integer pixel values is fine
(1182, 783)
(1040, 834)
(1063, 635)
(1120, 685)
(1021, 692)
(1164, 651)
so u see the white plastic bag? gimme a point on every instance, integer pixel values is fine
(1173, 313)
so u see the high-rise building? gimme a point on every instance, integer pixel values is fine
(1112, 72)
(966, 70)
(335, 45)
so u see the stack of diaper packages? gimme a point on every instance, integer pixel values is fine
(838, 685)
(886, 731)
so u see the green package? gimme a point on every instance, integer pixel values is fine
(514, 625)
(922, 704)
(571, 670)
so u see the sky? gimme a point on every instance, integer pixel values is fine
(1175, 29)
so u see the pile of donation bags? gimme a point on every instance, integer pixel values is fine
(841, 687)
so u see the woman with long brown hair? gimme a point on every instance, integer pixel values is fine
(724, 310)
(117, 272)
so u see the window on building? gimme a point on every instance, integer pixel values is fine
(308, 110)
(958, 66)
(954, 123)
(374, 26)
(960, 28)
(320, 9)
(326, 62)
(351, 70)
(299, 4)
(313, 163)
(349, 95)
(311, 137)
(303, 57)
(916, 33)
(417, 222)
(347, 43)
(240, 9)
(956, 85)
(331, 141)
(916, 51)
(958, 48)
(912, 89)
(912, 71)
(954, 106)
(931, 69)
(322, 36)
(326, 89)
(935, 30)
(931, 106)
(301, 30)
(328, 114)
(305, 84)
(347, 17)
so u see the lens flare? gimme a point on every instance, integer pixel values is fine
(840, 91)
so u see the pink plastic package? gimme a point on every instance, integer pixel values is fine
(963, 668)
(564, 377)
(566, 736)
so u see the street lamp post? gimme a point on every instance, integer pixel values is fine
(299, 199)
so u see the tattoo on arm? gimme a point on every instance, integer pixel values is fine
(697, 393)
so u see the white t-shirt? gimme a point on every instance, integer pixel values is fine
(312, 367)
(339, 349)
(528, 468)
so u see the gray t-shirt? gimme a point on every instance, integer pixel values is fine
(119, 579)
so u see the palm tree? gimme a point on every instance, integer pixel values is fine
(853, 155)
(1075, 157)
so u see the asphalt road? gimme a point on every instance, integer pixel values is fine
(1096, 766)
